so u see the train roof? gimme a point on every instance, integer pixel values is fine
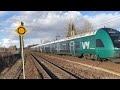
(70, 38)
(77, 36)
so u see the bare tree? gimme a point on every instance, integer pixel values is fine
(45, 41)
(71, 29)
(87, 26)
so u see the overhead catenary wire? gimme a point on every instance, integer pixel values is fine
(29, 36)
(101, 23)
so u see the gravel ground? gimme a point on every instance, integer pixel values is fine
(55, 70)
(106, 64)
(86, 71)
(31, 71)
(11, 73)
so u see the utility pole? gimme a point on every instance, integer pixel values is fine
(57, 37)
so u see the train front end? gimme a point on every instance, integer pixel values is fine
(108, 43)
(115, 37)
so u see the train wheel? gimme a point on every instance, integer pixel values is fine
(87, 56)
(103, 60)
(84, 56)
(96, 58)
(92, 57)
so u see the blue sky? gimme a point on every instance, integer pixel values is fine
(44, 25)
(98, 12)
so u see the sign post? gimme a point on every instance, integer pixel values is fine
(22, 55)
(21, 31)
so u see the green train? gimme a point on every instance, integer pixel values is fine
(101, 44)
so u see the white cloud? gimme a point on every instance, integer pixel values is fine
(43, 25)
(6, 42)
(72, 14)
(103, 19)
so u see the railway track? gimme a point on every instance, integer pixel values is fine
(18, 74)
(89, 66)
(51, 70)
(43, 66)
(12, 72)
(43, 74)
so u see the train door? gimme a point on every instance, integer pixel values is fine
(44, 48)
(72, 48)
(40, 48)
(50, 48)
(58, 48)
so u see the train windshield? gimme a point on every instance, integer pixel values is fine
(115, 36)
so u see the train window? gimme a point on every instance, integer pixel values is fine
(115, 36)
(99, 43)
(77, 44)
(54, 46)
(67, 46)
(64, 47)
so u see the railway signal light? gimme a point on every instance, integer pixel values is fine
(21, 30)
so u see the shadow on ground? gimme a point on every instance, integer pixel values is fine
(7, 60)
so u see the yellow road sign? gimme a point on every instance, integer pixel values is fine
(21, 30)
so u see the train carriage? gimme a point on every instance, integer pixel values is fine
(101, 44)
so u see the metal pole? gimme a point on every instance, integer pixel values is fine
(20, 38)
(22, 55)
(20, 44)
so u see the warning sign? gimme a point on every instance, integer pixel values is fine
(21, 30)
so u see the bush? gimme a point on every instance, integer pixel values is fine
(7, 60)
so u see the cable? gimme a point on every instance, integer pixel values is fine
(94, 25)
